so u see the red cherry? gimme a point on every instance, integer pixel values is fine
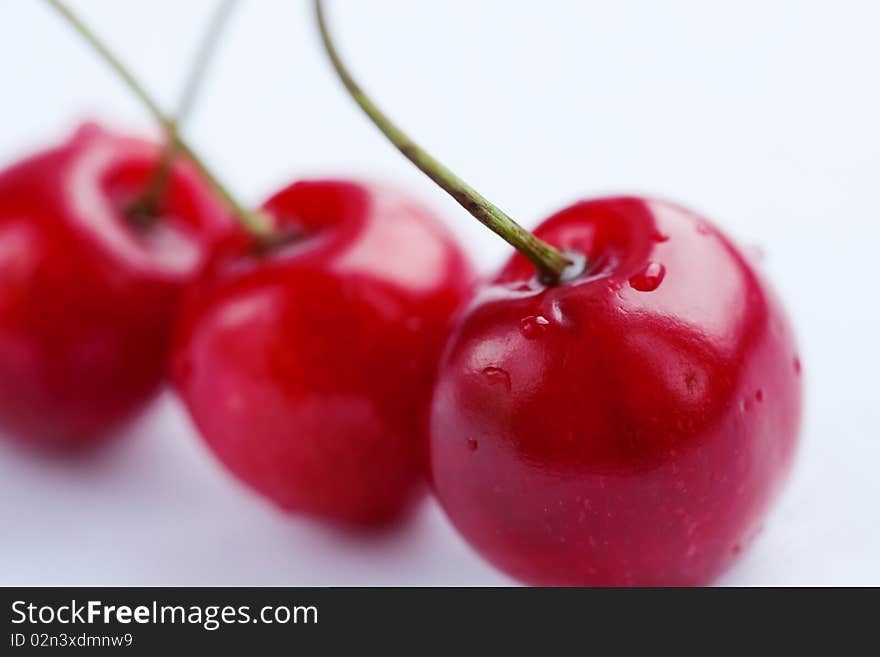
(87, 297)
(629, 425)
(308, 368)
(622, 403)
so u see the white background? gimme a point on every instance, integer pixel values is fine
(762, 115)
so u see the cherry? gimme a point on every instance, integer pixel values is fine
(98, 238)
(621, 403)
(308, 365)
(87, 294)
(628, 426)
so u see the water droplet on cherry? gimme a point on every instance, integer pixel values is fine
(496, 375)
(472, 444)
(759, 395)
(533, 326)
(649, 278)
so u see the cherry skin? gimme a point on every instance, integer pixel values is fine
(87, 296)
(628, 426)
(308, 367)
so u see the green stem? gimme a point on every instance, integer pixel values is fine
(253, 222)
(146, 208)
(550, 262)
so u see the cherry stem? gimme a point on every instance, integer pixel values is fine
(255, 223)
(550, 262)
(146, 208)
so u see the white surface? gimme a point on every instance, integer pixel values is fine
(763, 115)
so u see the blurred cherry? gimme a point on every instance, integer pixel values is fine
(88, 290)
(307, 364)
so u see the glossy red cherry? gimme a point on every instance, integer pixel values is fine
(308, 367)
(627, 426)
(88, 296)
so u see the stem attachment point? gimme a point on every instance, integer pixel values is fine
(254, 222)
